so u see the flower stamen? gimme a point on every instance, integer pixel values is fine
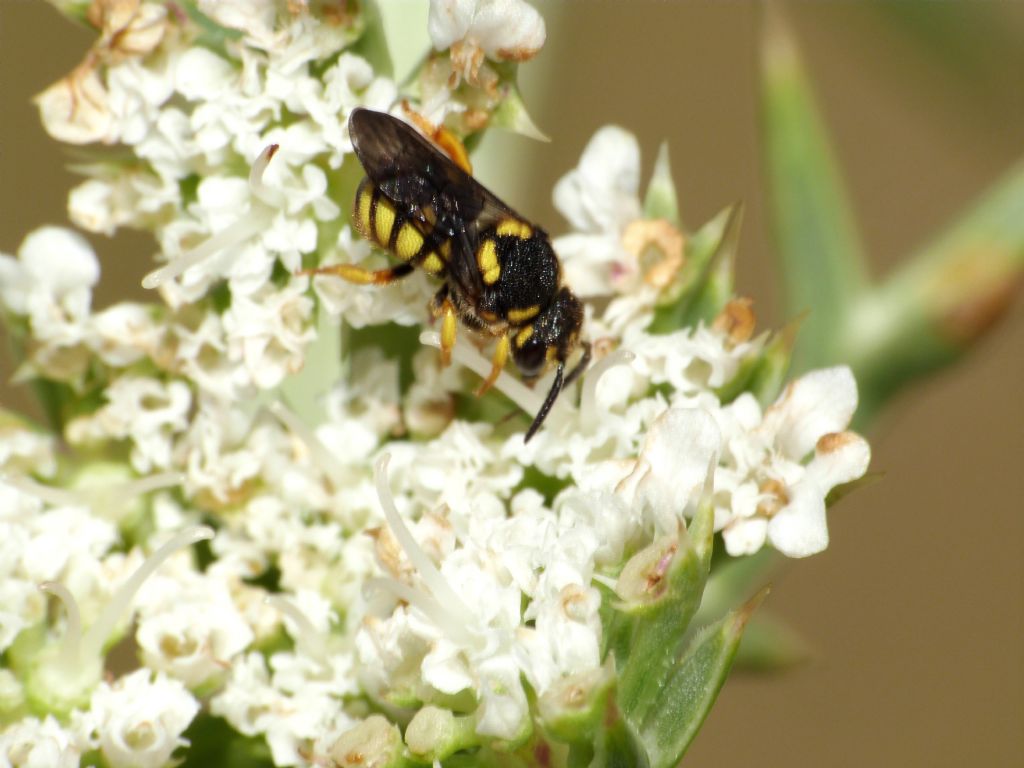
(308, 639)
(323, 458)
(265, 201)
(447, 605)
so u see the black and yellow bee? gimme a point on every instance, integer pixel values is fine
(501, 275)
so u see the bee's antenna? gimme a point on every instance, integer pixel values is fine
(556, 387)
(581, 366)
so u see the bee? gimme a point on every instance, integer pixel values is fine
(501, 277)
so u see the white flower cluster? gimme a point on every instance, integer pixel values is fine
(386, 549)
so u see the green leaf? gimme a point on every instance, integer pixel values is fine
(687, 694)
(511, 114)
(704, 284)
(937, 306)
(661, 201)
(659, 600)
(769, 372)
(822, 261)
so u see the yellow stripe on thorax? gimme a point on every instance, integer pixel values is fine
(514, 227)
(487, 260)
(517, 316)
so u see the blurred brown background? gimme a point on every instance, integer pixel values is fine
(916, 612)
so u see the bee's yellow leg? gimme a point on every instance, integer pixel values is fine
(497, 365)
(447, 313)
(447, 141)
(362, 275)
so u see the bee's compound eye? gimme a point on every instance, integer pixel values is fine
(531, 358)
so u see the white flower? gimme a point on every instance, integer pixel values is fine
(137, 721)
(220, 455)
(268, 332)
(599, 197)
(499, 29)
(291, 706)
(812, 414)
(189, 627)
(32, 743)
(613, 251)
(125, 333)
(678, 451)
(147, 411)
(75, 109)
(51, 280)
(25, 450)
(692, 360)
(774, 491)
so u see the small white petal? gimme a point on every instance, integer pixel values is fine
(59, 259)
(745, 537)
(201, 75)
(800, 529)
(839, 458)
(674, 461)
(816, 404)
(601, 193)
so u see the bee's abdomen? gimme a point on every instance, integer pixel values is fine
(377, 220)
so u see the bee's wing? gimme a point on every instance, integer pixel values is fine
(415, 175)
(412, 172)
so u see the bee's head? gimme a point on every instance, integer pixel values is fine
(551, 337)
(550, 340)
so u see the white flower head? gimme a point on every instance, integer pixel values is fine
(501, 30)
(678, 450)
(137, 721)
(147, 411)
(780, 468)
(52, 278)
(32, 743)
(189, 626)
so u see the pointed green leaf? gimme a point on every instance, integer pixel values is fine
(661, 588)
(684, 700)
(821, 257)
(773, 366)
(661, 201)
(704, 283)
(511, 114)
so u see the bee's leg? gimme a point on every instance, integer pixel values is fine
(442, 307)
(361, 275)
(497, 365)
(447, 141)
